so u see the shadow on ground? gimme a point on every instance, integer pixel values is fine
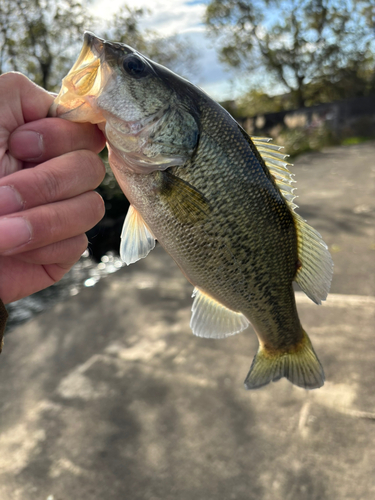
(109, 396)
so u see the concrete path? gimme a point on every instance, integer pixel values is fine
(336, 190)
(109, 396)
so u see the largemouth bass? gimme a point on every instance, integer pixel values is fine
(218, 201)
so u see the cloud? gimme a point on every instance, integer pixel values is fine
(167, 17)
(185, 18)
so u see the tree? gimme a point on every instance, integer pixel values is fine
(40, 37)
(306, 46)
(7, 32)
(257, 102)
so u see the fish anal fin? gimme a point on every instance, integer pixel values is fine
(300, 365)
(210, 319)
(315, 269)
(137, 240)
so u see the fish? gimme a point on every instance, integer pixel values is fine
(219, 201)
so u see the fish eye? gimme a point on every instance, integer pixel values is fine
(135, 66)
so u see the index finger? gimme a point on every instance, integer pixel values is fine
(48, 138)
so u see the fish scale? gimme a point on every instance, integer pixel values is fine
(219, 202)
(233, 220)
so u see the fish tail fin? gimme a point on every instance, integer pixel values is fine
(300, 365)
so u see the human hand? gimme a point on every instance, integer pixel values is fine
(48, 170)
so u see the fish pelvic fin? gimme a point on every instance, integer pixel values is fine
(212, 320)
(300, 365)
(137, 241)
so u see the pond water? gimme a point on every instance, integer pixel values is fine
(87, 272)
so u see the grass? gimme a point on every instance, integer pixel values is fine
(348, 141)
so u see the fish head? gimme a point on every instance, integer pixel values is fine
(140, 105)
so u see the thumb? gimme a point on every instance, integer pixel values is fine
(22, 101)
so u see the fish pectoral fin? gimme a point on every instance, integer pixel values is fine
(137, 241)
(300, 365)
(210, 319)
(315, 269)
(185, 201)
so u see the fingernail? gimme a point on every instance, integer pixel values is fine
(10, 200)
(14, 232)
(27, 145)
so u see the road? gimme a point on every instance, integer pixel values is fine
(109, 396)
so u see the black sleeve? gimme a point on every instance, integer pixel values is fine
(3, 321)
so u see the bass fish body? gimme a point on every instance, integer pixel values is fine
(219, 202)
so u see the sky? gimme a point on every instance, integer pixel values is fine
(184, 17)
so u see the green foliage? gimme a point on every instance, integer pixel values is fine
(41, 38)
(311, 48)
(301, 140)
(256, 102)
(38, 37)
(349, 141)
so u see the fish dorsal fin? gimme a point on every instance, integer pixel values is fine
(137, 240)
(314, 273)
(277, 166)
(210, 319)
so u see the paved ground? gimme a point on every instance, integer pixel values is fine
(336, 190)
(109, 396)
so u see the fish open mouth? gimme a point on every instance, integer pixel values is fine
(94, 43)
(84, 81)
